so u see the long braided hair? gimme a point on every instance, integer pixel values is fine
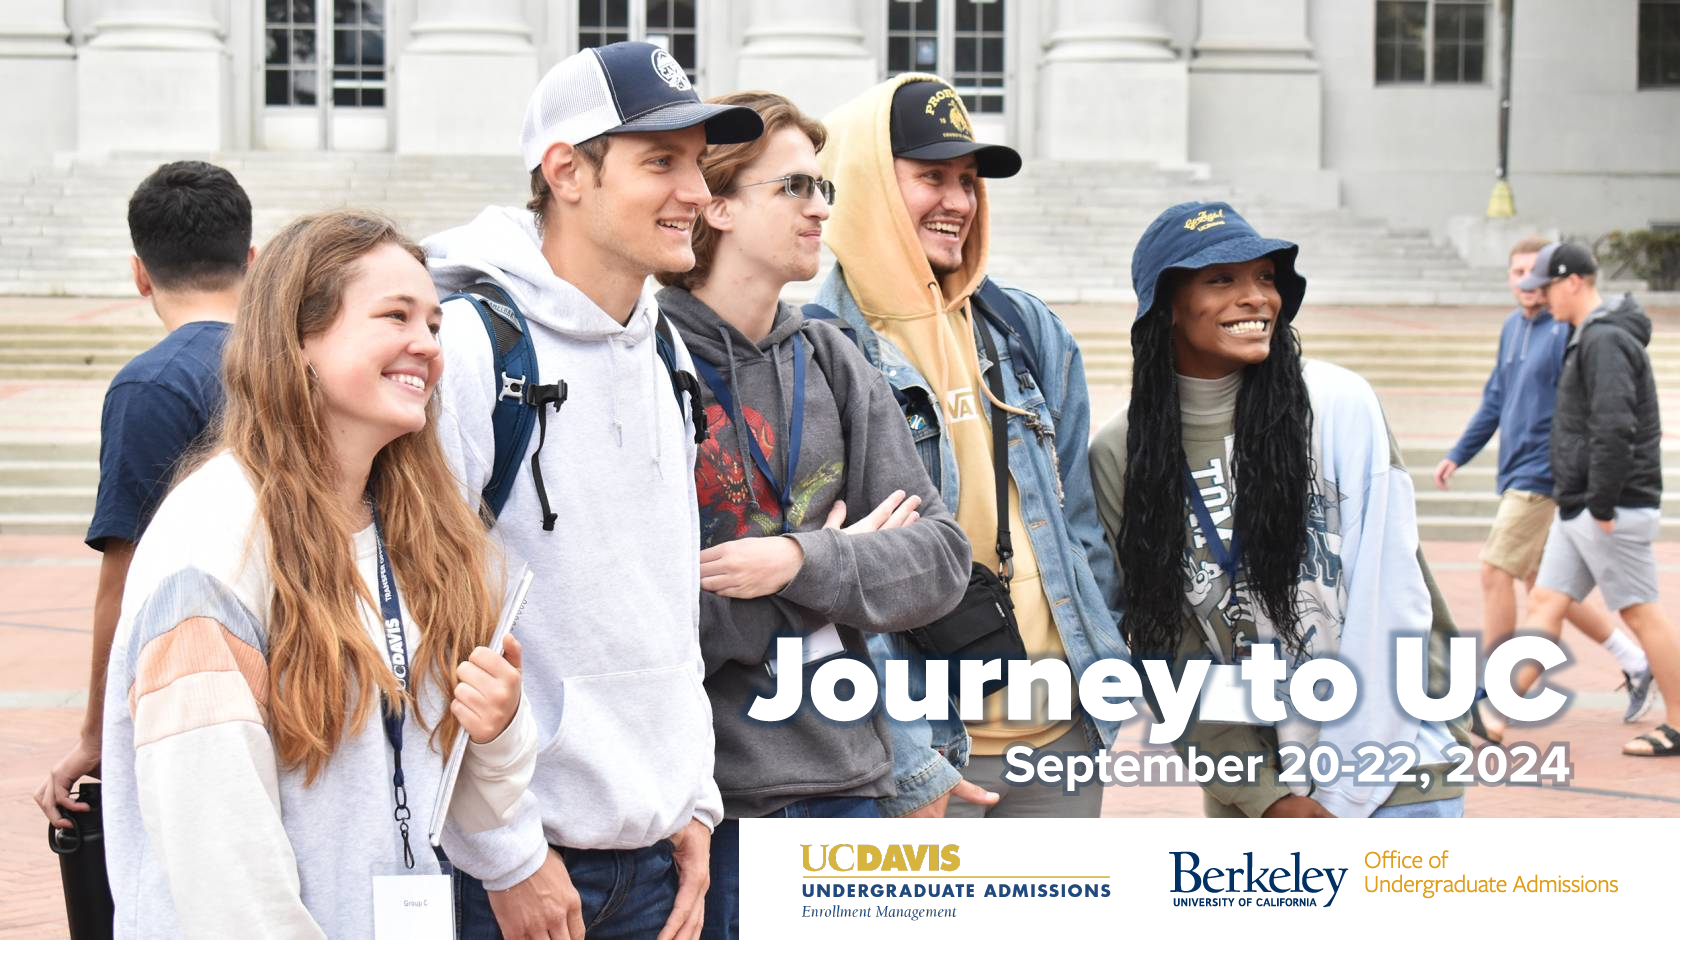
(1271, 467)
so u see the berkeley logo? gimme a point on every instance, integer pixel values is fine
(1257, 886)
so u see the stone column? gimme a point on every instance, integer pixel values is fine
(462, 82)
(810, 53)
(36, 56)
(1111, 88)
(1256, 98)
(154, 77)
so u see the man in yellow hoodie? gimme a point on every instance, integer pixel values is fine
(910, 234)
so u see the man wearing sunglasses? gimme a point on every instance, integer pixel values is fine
(804, 432)
(911, 239)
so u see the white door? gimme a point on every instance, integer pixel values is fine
(336, 46)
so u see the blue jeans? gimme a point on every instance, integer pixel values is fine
(625, 894)
(1448, 807)
(723, 898)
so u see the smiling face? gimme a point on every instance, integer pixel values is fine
(776, 234)
(1223, 318)
(941, 198)
(641, 212)
(378, 363)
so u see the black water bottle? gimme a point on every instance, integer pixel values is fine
(81, 864)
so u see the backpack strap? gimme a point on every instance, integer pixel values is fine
(520, 400)
(815, 312)
(1002, 310)
(682, 382)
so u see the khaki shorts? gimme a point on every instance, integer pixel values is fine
(1520, 533)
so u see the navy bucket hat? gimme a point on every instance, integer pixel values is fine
(1191, 236)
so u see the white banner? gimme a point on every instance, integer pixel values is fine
(1198, 885)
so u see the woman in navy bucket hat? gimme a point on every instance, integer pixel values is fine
(1254, 498)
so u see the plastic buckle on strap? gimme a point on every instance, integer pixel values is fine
(513, 388)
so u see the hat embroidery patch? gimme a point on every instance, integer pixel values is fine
(670, 70)
(954, 117)
(1206, 219)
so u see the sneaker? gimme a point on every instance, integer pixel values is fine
(1639, 694)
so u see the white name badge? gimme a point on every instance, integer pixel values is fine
(819, 644)
(1225, 698)
(414, 907)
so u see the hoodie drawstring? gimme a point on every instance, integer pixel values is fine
(738, 421)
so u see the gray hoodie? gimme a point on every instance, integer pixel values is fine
(854, 448)
(611, 627)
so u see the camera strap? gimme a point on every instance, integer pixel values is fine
(1000, 448)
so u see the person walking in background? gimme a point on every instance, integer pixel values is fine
(1518, 401)
(1607, 477)
(190, 223)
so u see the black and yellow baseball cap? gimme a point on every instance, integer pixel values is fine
(929, 122)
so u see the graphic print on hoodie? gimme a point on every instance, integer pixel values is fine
(736, 500)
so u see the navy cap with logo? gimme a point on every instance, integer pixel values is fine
(1198, 234)
(623, 88)
(1556, 261)
(929, 123)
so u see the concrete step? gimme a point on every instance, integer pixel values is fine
(1475, 478)
(45, 523)
(1438, 528)
(49, 473)
(1455, 503)
(52, 499)
(1068, 227)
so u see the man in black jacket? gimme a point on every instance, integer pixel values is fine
(1607, 473)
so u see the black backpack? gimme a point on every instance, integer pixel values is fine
(521, 400)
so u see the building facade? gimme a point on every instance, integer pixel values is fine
(1391, 107)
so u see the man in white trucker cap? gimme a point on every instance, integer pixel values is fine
(614, 837)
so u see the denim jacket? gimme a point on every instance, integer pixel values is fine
(1048, 460)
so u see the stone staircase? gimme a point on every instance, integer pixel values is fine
(1062, 229)
(47, 484)
(1066, 231)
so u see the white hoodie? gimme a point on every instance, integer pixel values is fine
(611, 628)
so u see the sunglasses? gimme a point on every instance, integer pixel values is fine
(798, 186)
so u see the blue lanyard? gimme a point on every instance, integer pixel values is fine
(1227, 558)
(784, 489)
(397, 651)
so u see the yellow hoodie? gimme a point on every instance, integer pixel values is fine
(929, 319)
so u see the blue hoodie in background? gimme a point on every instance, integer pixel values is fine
(1518, 401)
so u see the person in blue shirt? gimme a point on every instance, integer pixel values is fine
(1518, 402)
(190, 223)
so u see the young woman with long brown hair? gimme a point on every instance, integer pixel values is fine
(308, 602)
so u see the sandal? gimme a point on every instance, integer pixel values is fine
(1480, 729)
(1662, 742)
